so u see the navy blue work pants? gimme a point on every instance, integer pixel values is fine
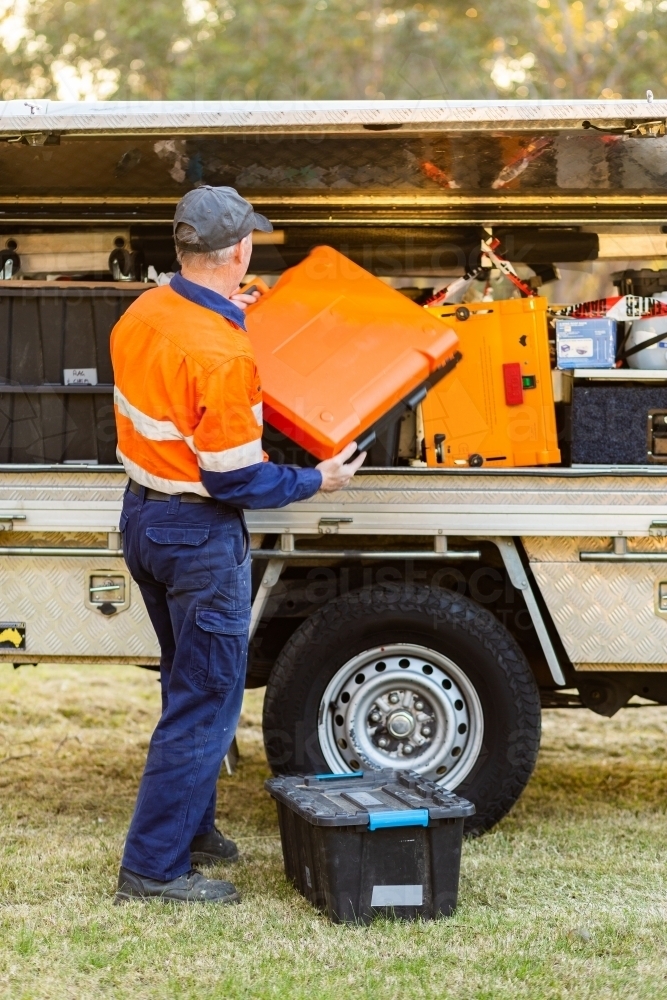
(192, 565)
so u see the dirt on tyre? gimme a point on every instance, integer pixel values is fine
(411, 677)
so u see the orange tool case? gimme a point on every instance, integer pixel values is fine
(339, 352)
(497, 407)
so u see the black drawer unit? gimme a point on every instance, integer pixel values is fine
(619, 422)
(46, 329)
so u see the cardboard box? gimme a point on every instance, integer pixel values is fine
(585, 343)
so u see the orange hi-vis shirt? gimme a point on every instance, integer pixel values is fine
(187, 393)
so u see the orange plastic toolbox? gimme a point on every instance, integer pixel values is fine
(497, 407)
(338, 350)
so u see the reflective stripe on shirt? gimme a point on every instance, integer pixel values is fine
(154, 482)
(154, 430)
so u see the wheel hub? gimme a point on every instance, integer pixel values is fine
(401, 724)
(402, 706)
(407, 730)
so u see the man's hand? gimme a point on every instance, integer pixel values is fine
(243, 300)
(336, 475)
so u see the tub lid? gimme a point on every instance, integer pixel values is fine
(374, 799)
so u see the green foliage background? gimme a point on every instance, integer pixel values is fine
(330, 49)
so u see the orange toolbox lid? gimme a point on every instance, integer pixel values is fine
(337, 349)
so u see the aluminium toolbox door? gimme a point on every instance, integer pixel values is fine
(609, 615)
(337, 349)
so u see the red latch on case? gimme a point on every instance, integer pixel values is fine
(513, 384)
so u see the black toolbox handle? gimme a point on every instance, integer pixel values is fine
(408, 403)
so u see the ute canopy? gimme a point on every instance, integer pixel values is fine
(455, 162)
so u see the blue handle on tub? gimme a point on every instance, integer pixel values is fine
(331, 777)
(398, 817)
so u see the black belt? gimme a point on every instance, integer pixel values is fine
(183, 497)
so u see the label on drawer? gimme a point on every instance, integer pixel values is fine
(80, 376)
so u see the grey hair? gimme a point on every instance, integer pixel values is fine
(189, 250)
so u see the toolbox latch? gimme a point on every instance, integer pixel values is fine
(330, 525)
(389, 819)
(7, 521)
(656, 437)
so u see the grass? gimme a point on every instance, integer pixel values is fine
(567, 898)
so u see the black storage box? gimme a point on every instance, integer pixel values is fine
(47, 328)
(645, 282)
(378, 843)
(612, 422)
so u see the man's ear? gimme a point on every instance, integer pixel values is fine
(245, 248)
(239, 251)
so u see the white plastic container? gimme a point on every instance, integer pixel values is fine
(655, 356)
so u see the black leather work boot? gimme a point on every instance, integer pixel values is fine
(193, 887)
(211, 848)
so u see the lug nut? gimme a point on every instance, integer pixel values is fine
(375, 716)
(419, 705)
(383, 742)
(393, 698)
(408, 748)
(426, 730)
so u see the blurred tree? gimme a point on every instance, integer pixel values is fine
(330, 49)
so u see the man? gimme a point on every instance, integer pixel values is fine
(189, 415)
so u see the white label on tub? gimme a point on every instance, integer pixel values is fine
(363, 798)
(80, 376)
(397, 895)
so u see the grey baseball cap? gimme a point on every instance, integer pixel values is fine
(219, 215)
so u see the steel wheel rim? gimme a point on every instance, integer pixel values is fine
(389, 698)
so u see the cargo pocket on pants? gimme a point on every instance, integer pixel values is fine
(219, 648)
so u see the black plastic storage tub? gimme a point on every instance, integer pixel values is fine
(379, 843)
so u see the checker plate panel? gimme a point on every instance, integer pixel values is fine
(604, 612)
(48, 595)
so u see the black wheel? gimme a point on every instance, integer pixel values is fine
(409, 677)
